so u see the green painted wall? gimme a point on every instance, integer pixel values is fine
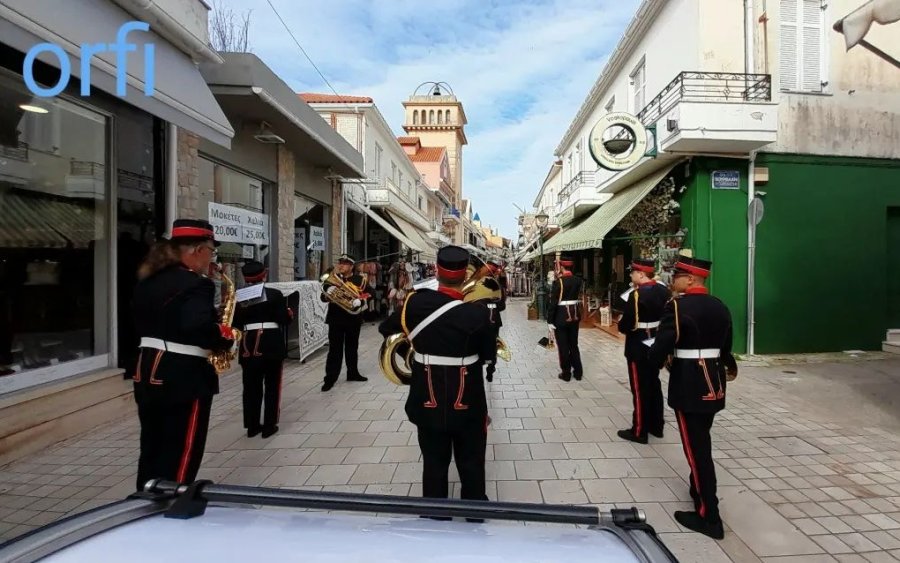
(717, 230)
(821, 282)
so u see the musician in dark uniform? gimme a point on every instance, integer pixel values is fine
(343, 326)
(695, 336)
(453, 340)
(639, 323)
(563, 317)
(495, 308)
(178, 326)
(262, 352)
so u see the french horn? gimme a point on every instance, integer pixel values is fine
(395, 355)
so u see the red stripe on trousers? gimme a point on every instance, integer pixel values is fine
(688, 452)
(189, 442)
(278, 404)
(635, 383)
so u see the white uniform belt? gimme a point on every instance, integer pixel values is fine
(705, 354)
(261, 326)
(648, 325)
(430, 360)
(572, 302)
(492, 306)
(174, 347)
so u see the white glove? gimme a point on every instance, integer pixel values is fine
(550, 326)
(331, 289)
(356, 303)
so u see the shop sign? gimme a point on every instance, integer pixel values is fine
(618, 154)
(233, 224)
(726, 180)
(317, 238)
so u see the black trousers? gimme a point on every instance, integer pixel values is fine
(342, 339)
(262, 385)
(567, 347)
(695, 439)
(467, 446)
(646, 395)
(489, 370)
(173, 438)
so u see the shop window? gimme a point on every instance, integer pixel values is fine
(54, 245)
(236, 205)
(309, 238)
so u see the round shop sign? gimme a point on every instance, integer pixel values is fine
(621, 148)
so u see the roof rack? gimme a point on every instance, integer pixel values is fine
(191, 500)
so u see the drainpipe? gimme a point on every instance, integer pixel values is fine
(171, 177)
(751, 258)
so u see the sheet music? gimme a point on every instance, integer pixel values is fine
(430, 283)
(625, 295)
(249, 292)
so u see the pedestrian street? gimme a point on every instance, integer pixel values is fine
(799, 480)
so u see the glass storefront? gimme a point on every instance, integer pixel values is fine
(54, 243)
(309, 238)
(236, 204)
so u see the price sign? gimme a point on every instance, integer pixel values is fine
(317, 238)
(233, 224)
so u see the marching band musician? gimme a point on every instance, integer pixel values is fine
(447, 402)
(494, 310)
(563, 317)
(639, 323)
(695, 336)
(262, 352)
(178, 325)
(343, 327)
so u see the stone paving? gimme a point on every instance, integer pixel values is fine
(804, 475)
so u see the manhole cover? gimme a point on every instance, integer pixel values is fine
(792, 445)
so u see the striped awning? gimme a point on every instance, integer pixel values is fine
(39, 222)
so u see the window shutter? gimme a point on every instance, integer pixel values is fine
(811, 46)
(789, 75)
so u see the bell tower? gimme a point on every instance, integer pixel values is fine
(436, 117)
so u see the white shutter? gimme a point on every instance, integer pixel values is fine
(811, 46)
(789, 58)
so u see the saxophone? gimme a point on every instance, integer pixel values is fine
(221, 361)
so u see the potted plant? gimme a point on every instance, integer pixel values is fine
(533, 309)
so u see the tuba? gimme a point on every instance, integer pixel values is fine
(395, 355)
(221, 361)
(345, 293)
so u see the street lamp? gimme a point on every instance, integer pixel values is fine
(541, 221)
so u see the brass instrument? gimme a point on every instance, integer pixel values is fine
(221, 361)
(479, 285)
(345, 292)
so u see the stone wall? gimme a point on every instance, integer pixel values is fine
(189, 176)
(282, 265)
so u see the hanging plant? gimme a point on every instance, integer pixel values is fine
(648, 217)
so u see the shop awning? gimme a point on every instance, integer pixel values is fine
(589, 233)
(429, 250)
(386, 225)
(180, 95)
(856, 26)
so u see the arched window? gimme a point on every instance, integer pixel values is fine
(431, 117)
(415, 117)
(440, 117)
(447, 119)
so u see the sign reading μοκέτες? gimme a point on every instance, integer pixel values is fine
(233, 224)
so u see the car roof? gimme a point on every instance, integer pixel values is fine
(243, 534)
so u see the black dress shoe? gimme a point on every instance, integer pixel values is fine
(693, 521)
(564, 377)
(577, 376)
(658, 434)
(269, 431)
(357, 377)
(251, 432)
(327, 385)
(631, 436)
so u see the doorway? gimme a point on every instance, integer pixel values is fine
(893, 267)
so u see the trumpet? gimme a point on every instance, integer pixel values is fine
(345, 293)
(395, 355)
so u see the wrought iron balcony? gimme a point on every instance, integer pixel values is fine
(19, 152)
(584, 178)
(708, 87)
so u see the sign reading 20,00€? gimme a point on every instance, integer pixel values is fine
(623, 150)
(233, 224)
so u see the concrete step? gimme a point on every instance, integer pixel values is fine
(891, 347)
(893, 335)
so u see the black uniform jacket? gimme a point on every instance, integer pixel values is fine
(445, 397)
(337, 315)
(645, 305)
(177, 305)
(695, 321)
(565, 288)
(267, 344)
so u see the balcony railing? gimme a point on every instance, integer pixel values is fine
(583, 178)
(19, 152)
(86, 168)
(708, 87)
